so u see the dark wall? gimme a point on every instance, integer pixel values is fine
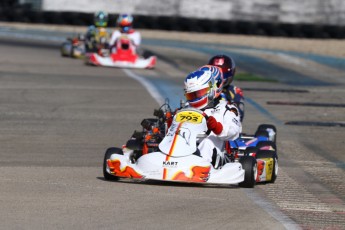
(25, 14)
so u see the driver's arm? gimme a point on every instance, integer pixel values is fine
(136, 38)
(114, 36)
(232, 126)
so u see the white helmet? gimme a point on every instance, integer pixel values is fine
(125, 22)
(201, 87)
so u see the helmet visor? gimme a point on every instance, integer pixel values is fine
(227, 73)
(101, 23)
(197, 94)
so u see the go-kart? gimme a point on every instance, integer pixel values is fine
(163, 154)
(93, 42)
(262, 146)
(123, 55)
(73, 47)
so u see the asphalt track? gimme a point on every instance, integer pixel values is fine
(58, 116)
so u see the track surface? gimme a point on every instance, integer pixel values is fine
(58, 116)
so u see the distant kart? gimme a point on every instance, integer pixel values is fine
(163, 154)
(262, 146)
(73, 47)
(125, 56)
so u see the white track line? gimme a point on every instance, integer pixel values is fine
(272, 210)
(149, 87)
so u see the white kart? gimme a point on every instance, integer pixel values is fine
(179, 159)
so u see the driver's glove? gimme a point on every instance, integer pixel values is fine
(215, 126)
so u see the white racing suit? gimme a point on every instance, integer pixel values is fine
(232, 127)
(133, 35)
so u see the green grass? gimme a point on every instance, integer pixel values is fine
(243, 76)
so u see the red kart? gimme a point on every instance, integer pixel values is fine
(125, 56)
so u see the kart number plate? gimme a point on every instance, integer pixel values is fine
(189, 116)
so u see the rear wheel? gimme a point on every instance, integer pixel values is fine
(270, 154)
(271, 130)
(107, 156)
(63, 50)
(261, 133)
(250, 168)
(267, 126)
(146, 54)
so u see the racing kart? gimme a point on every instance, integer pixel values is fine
(93, 42)
(73, 47)
(123, 55)
(162, 154)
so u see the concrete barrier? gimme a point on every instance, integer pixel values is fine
(252, 17)
(324, 12)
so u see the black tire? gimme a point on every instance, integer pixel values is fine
(135, 144)
(107, 156)
(262, 133)
(270, 154)
(62, 48)
(146, 54)
(250, 168)
(147, 123)
(266, 154)
(266, 127)
(138, 135)
(261, 144)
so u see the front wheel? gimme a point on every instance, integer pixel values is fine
(63, 50)
(250, 174)
(107, 156)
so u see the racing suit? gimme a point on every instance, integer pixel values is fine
(234, 94)
(212, 147)
(133, 35)
(96, 39)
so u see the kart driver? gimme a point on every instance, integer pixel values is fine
(97, 36)
(125, 23)
(231, 93)
(203, 90)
